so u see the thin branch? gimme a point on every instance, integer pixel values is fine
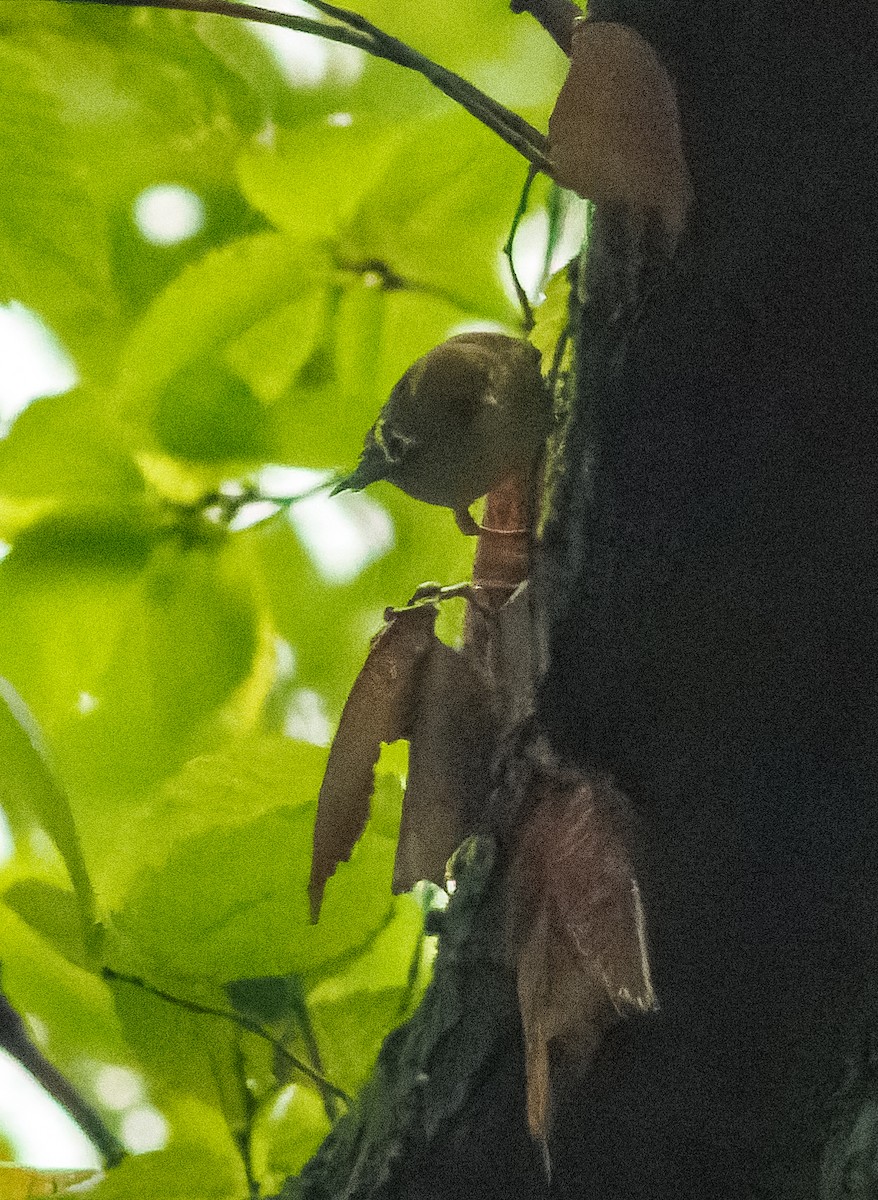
(555, 16)
(355, 30)
(14, 1040)
(303, 1017)
(526, 309)
(235, 1018)
(453, 85)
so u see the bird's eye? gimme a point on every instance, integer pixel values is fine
(396, 444)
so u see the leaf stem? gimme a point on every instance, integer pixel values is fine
(303, 1017)
(239, 1019)
(524, 301)
(354, 30)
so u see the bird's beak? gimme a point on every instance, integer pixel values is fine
(345, 484)
(369, 469)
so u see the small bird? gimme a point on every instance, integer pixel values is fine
(462, 419)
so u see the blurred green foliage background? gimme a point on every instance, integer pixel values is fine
(331, 219)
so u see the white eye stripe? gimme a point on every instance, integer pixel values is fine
(394, 443)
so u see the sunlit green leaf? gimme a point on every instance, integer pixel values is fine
(313, 186)
(65, 449)
(441, 213)
(146, 79)
(287, 1130)
(27, 780)
(240, 50)
(214, 793)
(551, 317)
(184, 1052)
(185, 1170)
(351, 1030)
(58, 626)
(68, 1011)
(53, 912)
(272, 352)
(250, 916)
(51, 238)
(214, 301)
(124, 640)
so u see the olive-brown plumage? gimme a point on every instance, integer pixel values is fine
(463, 418)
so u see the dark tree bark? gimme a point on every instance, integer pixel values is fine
(713, 642)
(717, 649)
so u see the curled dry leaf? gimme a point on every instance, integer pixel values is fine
(576, 928)
(449, 779)
(379, 709)
(614, 136)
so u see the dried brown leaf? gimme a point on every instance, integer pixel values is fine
(576, 927)
(590, 878)
(560, 1004)
(449, 766)
(614, 136)
(379, 709)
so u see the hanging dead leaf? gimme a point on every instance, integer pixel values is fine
(576, 928)
(379, 709)
(614, 135)
(449, 779)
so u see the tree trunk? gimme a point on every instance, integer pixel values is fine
(713, 641)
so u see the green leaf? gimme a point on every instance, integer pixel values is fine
(83, 540)
(206, 414)
(75, 1024)
(54, 913)
(187, 1053)
(312, 186)
(268, 999)
(27, 780)
(126, 639)
(184, 1170)
(185, 639)
(214, 301)
(237, 46)
(212, 793)
(552, 318)
(323, 419)
(58, 626)
(65, 448)
(431, 203)
(386, 964)
(270, 354)
(249, 916)
(441, 213)
(288, 1128)
(52, 242)
(148, 81)
(350, 1032)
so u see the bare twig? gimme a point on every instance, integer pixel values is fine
(354, 30)
(555, 16)
(526, 309)
(236, 1018)
(14, 1040)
